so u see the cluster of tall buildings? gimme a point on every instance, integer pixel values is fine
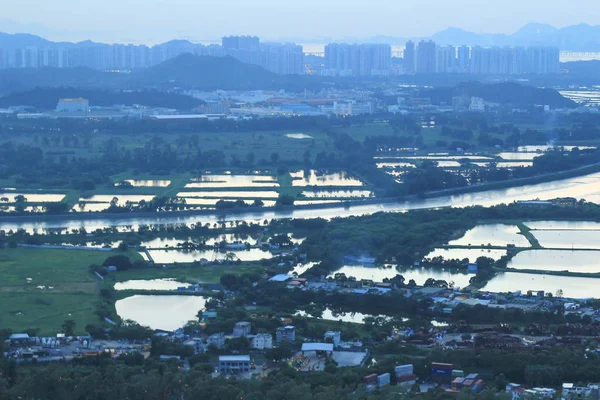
(428, 58)
(343, 59)
(281, 58)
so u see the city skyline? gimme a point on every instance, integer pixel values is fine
(156, 21)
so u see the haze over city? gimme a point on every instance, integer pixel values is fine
(310, 200)
(154, 21)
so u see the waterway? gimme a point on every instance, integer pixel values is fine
(584, 187)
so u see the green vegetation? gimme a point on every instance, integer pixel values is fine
(49, 267)
(46, 99)
(206, 274)
(526, 231)
(43, 313)
(41, 288)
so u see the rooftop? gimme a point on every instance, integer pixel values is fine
(19, 336)
(280, 278)
(77, 100)
(234, 358)
(317, 347)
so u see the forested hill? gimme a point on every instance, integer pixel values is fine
(211, 73)
(186, 71)
(47, 98)
(506, 93)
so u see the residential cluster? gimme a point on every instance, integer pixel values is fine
(281, 58)
(427, 57)
(340, 59)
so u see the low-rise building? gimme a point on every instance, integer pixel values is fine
(242, 328)
(196, 344)
(234, 364)
(73, 105)
(285, 333)
(218, 340)
(570, 391)
(262, 341)
(334, 337)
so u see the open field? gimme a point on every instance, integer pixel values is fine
(49, 267)
(206, 274)
(61, 288)
(46, 311)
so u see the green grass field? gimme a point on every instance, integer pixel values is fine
(46, 311)
(49, 267)
(207, 274)
(61, 288)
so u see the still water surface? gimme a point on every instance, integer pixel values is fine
(573, 287)
(160, 312)
(557, 260)
(153, 284)
(494, 234)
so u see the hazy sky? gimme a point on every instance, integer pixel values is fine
(151, 21)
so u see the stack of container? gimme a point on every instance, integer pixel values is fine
(458, 373)
(478, 386)
(457, 383)
(441, 373)
(371, 382)
(470, 382)
(370, 379)
(405, 375)
(383, 379)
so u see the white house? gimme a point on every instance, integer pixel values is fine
(262, 341)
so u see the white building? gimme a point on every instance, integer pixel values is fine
(73, 105)
(218, 340)
(333, 337)
(196, 344)
(262, 341)
(285, 333)
(242, 329)
(570, 391)
(477, 104)
(517, 392)
(352, 108)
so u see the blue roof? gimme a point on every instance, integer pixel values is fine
(280, 278)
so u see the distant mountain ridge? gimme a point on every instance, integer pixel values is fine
(581, 37)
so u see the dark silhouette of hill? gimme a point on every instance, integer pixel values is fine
(211, 73)
(506, 93)
(21, 79)
(47, 98)
(186, 71)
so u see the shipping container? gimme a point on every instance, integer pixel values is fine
(370, 379)
(406, 378)
(441, 372)
(468, 383)
(383, 380)
(371, 388)
(442, 366)
(458, 372)
(472, 376)
(403, 370)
